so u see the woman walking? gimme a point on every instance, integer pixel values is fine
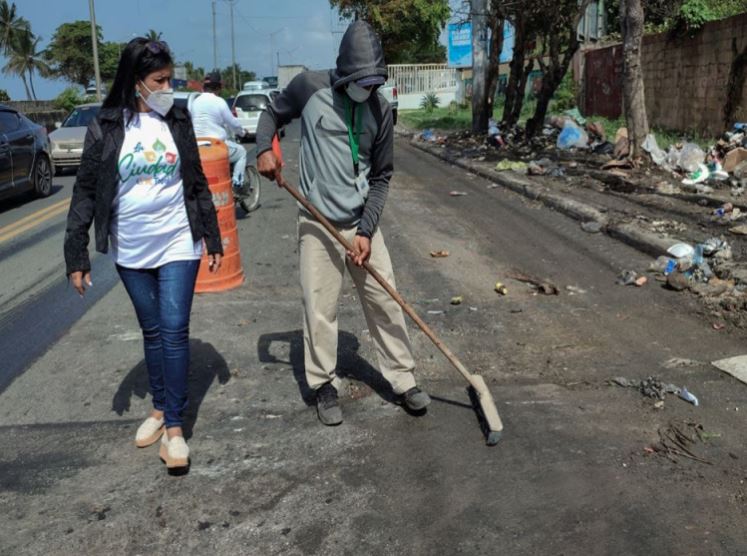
(141, 181)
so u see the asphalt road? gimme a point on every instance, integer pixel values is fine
(572, 475)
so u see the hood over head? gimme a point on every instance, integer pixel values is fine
(361, 55)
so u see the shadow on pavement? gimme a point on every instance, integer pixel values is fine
(206, 364)
(349, 363)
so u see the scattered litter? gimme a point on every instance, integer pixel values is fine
(674, 441)
(723, 210)
(699, 175)
(740, 230)
(688, 396)
(734, 158)
(678, 281)
(717, 326)
(680, 250)
(616, 164)
(596, 130)
(501, 289)
(576, 116)
(677, 362)
(627, 278)
(575, 290)
(658, 405)
(433, 312)
(457, 300)
(542, 286)
(591, 227)
(572, 136)
(734, 366)
(658, 156)
(641, 281)
(473, 309)
(515, 165)
(439, 254)
(457, 193)
(691, 158)
(651, 387)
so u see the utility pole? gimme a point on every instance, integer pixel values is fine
(480, 116)
(272, 49)
(215, 42)
(95, 41)
(233, 48)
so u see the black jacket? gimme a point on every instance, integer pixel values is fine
(97, 179)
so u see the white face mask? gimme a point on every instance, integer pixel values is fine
(159, 101)
(357, 93)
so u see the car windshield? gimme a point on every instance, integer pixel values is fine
(81, 116)
(251, 103)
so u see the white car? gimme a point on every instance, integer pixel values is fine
(390, 93)
(67, 140)
(248, 106)
(256, 86)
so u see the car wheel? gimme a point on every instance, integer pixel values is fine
(42, 176)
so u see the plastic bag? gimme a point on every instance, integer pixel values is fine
(691, 157)
(658, 156)
(572, 136)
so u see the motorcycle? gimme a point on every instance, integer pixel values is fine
(248, 194)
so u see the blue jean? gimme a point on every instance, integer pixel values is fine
(163, 300)
(237, 157)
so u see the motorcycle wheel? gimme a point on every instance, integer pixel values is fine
(250, 196)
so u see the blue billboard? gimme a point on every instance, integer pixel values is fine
(460, 44)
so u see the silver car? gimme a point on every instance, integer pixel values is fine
(67, 140)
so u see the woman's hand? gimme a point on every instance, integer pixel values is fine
(80, 280)
(214, 262)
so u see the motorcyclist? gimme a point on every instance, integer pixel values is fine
(211, 117)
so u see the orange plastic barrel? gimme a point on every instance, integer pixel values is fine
(214, 157)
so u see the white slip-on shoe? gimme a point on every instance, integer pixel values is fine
(174, 451)
(150, 431)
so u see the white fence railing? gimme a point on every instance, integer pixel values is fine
(422, 78)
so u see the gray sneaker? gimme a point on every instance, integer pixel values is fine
(326, 405)
(415, 399)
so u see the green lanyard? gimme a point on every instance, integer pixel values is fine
(353, 138)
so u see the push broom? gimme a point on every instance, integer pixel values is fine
(479, 394)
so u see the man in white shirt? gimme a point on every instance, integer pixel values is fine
(211, 117)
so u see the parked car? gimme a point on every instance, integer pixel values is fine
(25, 162)
(390, 93)
(67, 140)
(247, 108)
(256, 86)
(185, 99)
(91, 90)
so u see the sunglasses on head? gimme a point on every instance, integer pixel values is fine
(156, 47)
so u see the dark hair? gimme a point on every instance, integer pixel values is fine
(212, 87)
(139, 58)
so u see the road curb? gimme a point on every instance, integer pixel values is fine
(630, 234)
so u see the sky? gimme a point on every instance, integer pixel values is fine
(304, 32)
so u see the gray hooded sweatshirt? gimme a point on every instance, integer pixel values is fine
(326, 169)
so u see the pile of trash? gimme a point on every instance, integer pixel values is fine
(724, 163)
(695, 267)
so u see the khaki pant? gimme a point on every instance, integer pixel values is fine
(323, 262)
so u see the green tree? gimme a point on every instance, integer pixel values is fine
(109, 53)
(70, 53)
(10, 25)
(4, 96)
(409, 29)
(153, 35)
(25, 58)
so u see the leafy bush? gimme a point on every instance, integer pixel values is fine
(69, 99)
(4, 96)
(565, 94)
(430, 102)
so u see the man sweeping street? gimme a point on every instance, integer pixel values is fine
(346, 162)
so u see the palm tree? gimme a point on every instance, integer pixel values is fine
(10, 25)
(153, 35)
(25, 58)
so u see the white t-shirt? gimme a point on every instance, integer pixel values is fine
(211, 117)
(149, 225)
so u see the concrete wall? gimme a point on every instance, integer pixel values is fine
(41, 112)
(685, 78)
